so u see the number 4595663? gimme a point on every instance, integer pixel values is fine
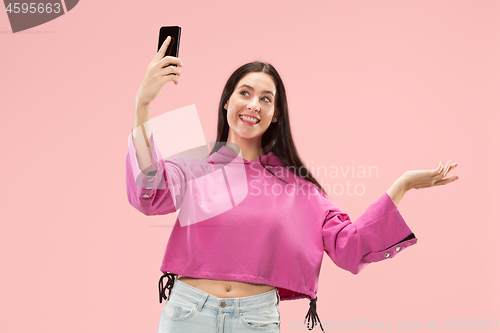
(42, 8)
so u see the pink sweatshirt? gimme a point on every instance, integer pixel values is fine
(238, 222)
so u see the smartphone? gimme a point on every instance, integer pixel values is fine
(173, 47)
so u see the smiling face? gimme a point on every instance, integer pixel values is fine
(254, 95)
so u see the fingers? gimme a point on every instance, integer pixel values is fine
(447, 168)
(166, 78)
(163, 48)
(443, 171)
(439, 168)
(445, 181)
(170, 60)
(170, 70)
(450, 167)
(171, 73)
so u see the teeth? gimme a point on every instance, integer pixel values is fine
(249, 119)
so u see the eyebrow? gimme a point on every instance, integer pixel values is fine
(249, 87)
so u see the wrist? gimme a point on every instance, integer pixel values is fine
(405, 183)
(398, 189)
(141, 107)
(139, 101)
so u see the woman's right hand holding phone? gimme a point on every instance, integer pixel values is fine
(156, 75)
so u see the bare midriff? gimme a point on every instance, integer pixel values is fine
(226, 289)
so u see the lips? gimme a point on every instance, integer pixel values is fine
(248, 122)
(246, 115)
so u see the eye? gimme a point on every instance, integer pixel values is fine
(246, 92)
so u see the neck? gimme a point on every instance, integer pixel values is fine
(249, 148)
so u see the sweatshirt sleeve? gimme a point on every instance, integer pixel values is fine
(160, 191)
(380, 233)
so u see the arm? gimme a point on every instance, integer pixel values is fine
(145, 171)
(146, 178)
(380, 233)
(141, 136)
(398, 189)
(156, 186)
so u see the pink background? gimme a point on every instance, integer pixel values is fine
(399, 85)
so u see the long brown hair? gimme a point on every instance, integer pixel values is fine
(278, 137)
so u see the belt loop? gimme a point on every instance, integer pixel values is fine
(278, 294)
(202, 302)
(237, 307)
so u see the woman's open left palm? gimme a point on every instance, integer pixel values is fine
(428, 178)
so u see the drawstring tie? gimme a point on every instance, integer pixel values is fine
(313, 315)
(170, 284)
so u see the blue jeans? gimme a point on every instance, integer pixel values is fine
(191, 310)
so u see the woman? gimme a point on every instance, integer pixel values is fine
(227, 272)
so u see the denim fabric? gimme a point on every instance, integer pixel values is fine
(191, 310)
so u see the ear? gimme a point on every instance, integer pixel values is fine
(275, 116)
(225, 106)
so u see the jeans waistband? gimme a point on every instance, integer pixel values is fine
(236, 304)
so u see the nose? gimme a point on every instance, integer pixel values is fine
(254, 104)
